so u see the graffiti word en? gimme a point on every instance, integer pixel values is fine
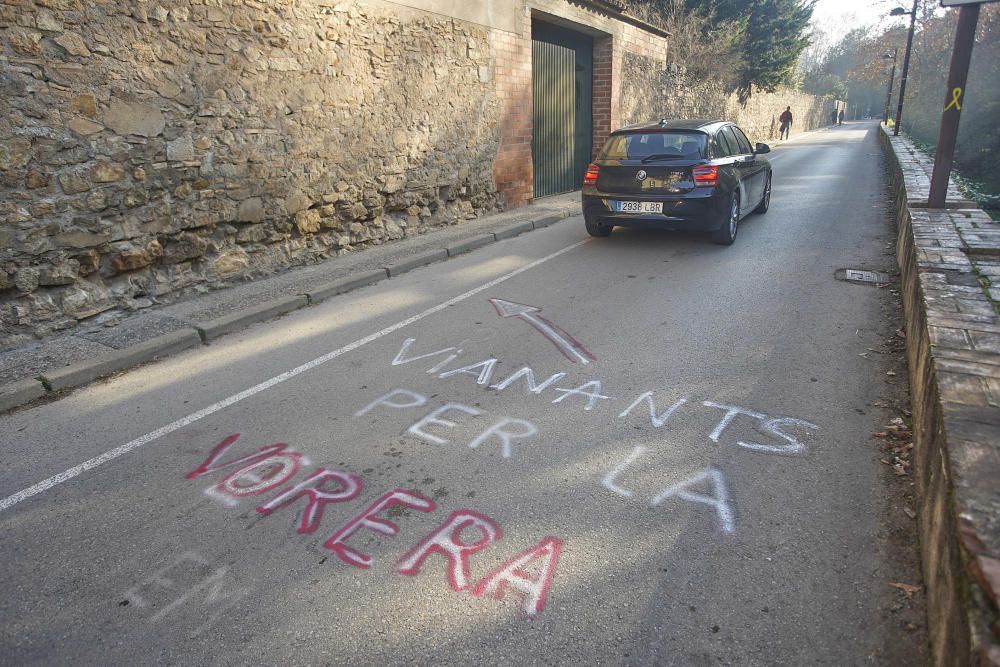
(188, 577)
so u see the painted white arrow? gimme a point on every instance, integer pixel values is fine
(565, 343)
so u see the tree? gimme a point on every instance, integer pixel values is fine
(770, 35)
(856, 60)
(824, 84)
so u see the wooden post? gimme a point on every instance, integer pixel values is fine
(944, 155)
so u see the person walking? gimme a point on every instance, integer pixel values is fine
(786, 123)
(833, 118)
(840, 118)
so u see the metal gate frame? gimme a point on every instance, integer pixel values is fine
(553, 94)
(562, 107)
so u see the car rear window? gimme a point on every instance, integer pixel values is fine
(664, 145)
(728, 143)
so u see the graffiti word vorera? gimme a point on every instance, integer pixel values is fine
(528, 573)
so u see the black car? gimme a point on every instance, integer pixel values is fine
(683, 174)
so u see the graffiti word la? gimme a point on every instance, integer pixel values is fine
(528, 573)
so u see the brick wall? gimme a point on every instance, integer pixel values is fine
(512, 169)
(603, 91)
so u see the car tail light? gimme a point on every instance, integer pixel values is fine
(706, 177)
(590, 178)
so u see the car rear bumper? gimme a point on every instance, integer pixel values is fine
(698, 211)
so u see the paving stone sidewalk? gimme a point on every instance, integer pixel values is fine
(117, 341)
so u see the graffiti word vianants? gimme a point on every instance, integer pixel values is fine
(188, 579)
(706, 488)
(588, 394)
(465, 533)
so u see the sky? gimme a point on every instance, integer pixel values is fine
(837, 17)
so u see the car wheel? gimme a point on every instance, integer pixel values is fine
(726, 234)
(596, 228)
(766, 201)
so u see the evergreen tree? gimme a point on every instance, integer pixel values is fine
(771, 36)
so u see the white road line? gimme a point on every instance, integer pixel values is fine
(112, 454)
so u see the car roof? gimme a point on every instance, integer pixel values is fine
(703, 124)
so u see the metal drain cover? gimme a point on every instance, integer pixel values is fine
(860, 276)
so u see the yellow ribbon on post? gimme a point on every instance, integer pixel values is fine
(956, 99)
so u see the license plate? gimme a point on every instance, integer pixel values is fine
(638, 206)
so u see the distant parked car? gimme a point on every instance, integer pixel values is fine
(682, 174)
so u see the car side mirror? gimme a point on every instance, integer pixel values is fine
(762, 148)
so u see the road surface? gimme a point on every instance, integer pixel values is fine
(645, 449)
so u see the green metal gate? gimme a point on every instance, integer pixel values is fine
(553, 95)
(562, 72)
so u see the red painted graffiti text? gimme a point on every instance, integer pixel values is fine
(461, 536)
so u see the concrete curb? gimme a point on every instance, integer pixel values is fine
(548, 221)
(470, 244)
(516, 229)
(119, 360)
(21, 392)
(347, 285)
(416, 261)
(251, 315)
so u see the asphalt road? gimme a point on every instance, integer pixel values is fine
(689, 481)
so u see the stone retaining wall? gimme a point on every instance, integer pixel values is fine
(155, 147)
(150, 146)
(655, 88)
(953, 352)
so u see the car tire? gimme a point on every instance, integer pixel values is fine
(595, 227)
(765, 202)
(726, 234)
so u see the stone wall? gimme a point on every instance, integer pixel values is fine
(953, 355)
(155, 147)
(149, 147)
(656, 87)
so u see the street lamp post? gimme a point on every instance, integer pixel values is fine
(899, 11)
(888, 90)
